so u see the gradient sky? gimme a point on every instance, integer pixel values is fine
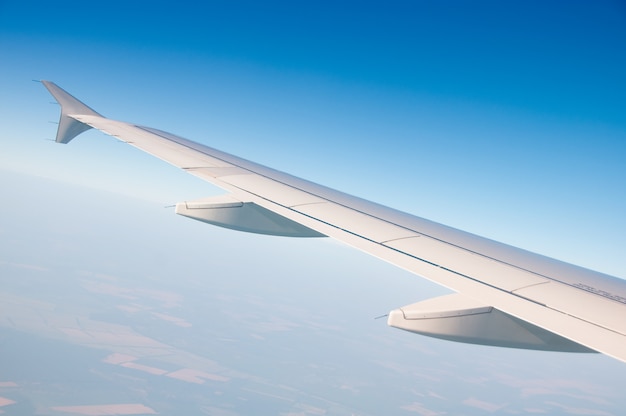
(501, 118)
(506, 119)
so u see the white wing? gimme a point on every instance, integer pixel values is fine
(505, 296)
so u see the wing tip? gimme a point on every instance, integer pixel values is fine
(69, 127)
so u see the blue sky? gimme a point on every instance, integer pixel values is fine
(506, 119)
(502, 118)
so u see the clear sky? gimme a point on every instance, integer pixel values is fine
(503, 118)
(506, 119)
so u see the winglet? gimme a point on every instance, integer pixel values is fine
(68, 126)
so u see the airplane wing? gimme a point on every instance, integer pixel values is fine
(505, 296)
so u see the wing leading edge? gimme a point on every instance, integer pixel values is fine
(505, 296)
